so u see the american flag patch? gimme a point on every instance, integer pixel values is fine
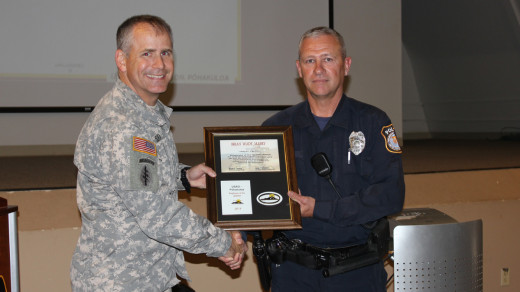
(145, 146)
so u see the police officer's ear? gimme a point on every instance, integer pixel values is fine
(121, 60)
(348, 61)
(299, 68)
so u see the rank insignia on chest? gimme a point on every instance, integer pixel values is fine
(392, 145)
(357, 142)
(144, 146)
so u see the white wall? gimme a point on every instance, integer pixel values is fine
(63, 128)
(372, 33)
(373, 40)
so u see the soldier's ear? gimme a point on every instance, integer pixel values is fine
(121, 60)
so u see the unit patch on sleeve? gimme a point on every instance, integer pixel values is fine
(144, 146)
(143, 172)
(391, 143)
(143, 165)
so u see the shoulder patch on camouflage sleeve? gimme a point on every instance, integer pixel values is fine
(144, 146)
(391, 143)
(144, 174)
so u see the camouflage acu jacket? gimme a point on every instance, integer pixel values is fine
(134, 229)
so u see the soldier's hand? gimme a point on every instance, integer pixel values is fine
(197, 175)
(306, 203)
(234, 256)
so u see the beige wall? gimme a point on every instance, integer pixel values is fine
(372, 30)
(49, 225)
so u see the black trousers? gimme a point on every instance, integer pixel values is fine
(181, 288)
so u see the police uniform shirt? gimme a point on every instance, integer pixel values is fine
(360, 143)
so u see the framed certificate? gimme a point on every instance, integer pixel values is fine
(255, 169)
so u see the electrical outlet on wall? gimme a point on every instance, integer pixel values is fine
(504, 277)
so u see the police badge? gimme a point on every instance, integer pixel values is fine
(357, 142)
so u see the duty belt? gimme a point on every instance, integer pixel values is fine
(331, 261)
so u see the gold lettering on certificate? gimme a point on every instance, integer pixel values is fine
(249, 155)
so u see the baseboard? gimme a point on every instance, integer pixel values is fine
(36, 150)
(55, 150)
(190, 147)
(416, 136)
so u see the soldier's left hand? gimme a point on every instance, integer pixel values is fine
(197, 175)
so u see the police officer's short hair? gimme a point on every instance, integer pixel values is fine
(320, 31)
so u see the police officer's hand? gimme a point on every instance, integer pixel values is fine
(234, 256)
(197, 175)
(306, 203)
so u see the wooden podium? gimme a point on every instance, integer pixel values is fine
(9, 272)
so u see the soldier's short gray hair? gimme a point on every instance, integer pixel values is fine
(124, 36)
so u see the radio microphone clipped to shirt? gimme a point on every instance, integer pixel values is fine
(321, 164)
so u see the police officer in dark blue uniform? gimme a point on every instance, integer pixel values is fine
(366, 183)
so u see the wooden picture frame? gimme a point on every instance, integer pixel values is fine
(255, 168)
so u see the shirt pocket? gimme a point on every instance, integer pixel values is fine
(351, 174)
(302, 165)
(366, 167)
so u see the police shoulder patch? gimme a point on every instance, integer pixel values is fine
(391, 143)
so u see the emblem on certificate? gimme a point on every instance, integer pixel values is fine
(255, 170)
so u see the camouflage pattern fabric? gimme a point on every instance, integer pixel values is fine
(134, 229)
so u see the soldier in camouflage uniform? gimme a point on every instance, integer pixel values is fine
(134, 229)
